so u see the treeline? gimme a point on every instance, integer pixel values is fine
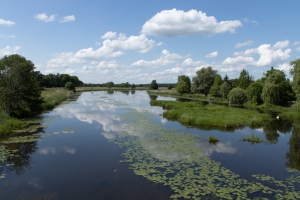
(56, 80)
(125, 85)
(272, 89)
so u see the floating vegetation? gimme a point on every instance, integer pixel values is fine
(68, 131)
(252, 139)
(213, 140)
(175, 159)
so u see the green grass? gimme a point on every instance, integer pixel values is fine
(213, 140)
(8, 124)
(252, 139)
(54, 96)
(211, 115)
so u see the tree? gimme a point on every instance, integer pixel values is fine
(110, 84)
(132, 86)
(70, 86)
(270, 93)
(245, 79)
(204, 80)
(184, 84)
(153, 85)
(170, 86)
(215, 88)
(295, 72)
(19, 87)
(225, 89)
(254, 92)
(237, 96)
(182, 87)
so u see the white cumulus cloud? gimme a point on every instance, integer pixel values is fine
(6, 22)
(298, 49)
(190, 63)
(64, 59)
(140, 43)
(44, 17)
(166, 58)
(109, 35)
(170, 23)
(281, 44)
(8, 50)
(212, 55)
(69, 18)
(247, 43)
(100, 53)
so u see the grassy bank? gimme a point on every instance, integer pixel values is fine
(9, 124)
(51, 96)
(210, 115)
(54, 96)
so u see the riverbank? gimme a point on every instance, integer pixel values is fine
(196, 113)
(286, 113)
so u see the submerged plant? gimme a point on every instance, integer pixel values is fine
(213, 140)
(252, 139)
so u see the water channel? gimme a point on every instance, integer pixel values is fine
(114, 145)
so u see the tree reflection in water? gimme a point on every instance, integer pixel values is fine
(293, 155)
(19, 158)
(273, 128)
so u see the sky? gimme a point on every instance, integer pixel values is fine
(138, 41)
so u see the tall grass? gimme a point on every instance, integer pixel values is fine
(53, 97)
(196, 113)
(8, 124)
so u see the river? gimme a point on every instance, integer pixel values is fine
(114, 145)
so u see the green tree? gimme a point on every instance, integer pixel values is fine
(153, 85)
(19, 87)
(245, 79)
(132, 86)
(110, 84)
(254, 92)
(295, 72)
(270, 93)
(184, 84)
(225, 89)
(182, 87)
(215, 88)
(70, 86)
(170, 86)
(237, 96)
(204, 80)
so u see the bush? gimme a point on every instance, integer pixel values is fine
(213, 139)
(237, 96)
(70, 86)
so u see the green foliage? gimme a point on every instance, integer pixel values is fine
(70, 86)
(215, 91)
(153, 85)
(182, 87)
(237, 96)
(204, 80)
(19, 88)
(133, 86)
(210, 115)
(252, 139)
(254, 92)
(110, 84)
(213, 140)
(8, 124)
(170, 87)
(183, 84)
(270, 93)
(245, 79)
(295, 71)
(225, 89)
(57, 80)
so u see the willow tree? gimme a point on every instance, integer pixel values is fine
(19, 88)
(204, 80)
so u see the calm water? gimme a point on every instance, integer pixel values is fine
(75, 157)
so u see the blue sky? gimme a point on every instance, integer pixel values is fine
(139, 41)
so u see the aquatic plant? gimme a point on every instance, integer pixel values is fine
(213, 140)
(165, 156)
(252, 139)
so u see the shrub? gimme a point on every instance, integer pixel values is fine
(237, 96)
(213, 139)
